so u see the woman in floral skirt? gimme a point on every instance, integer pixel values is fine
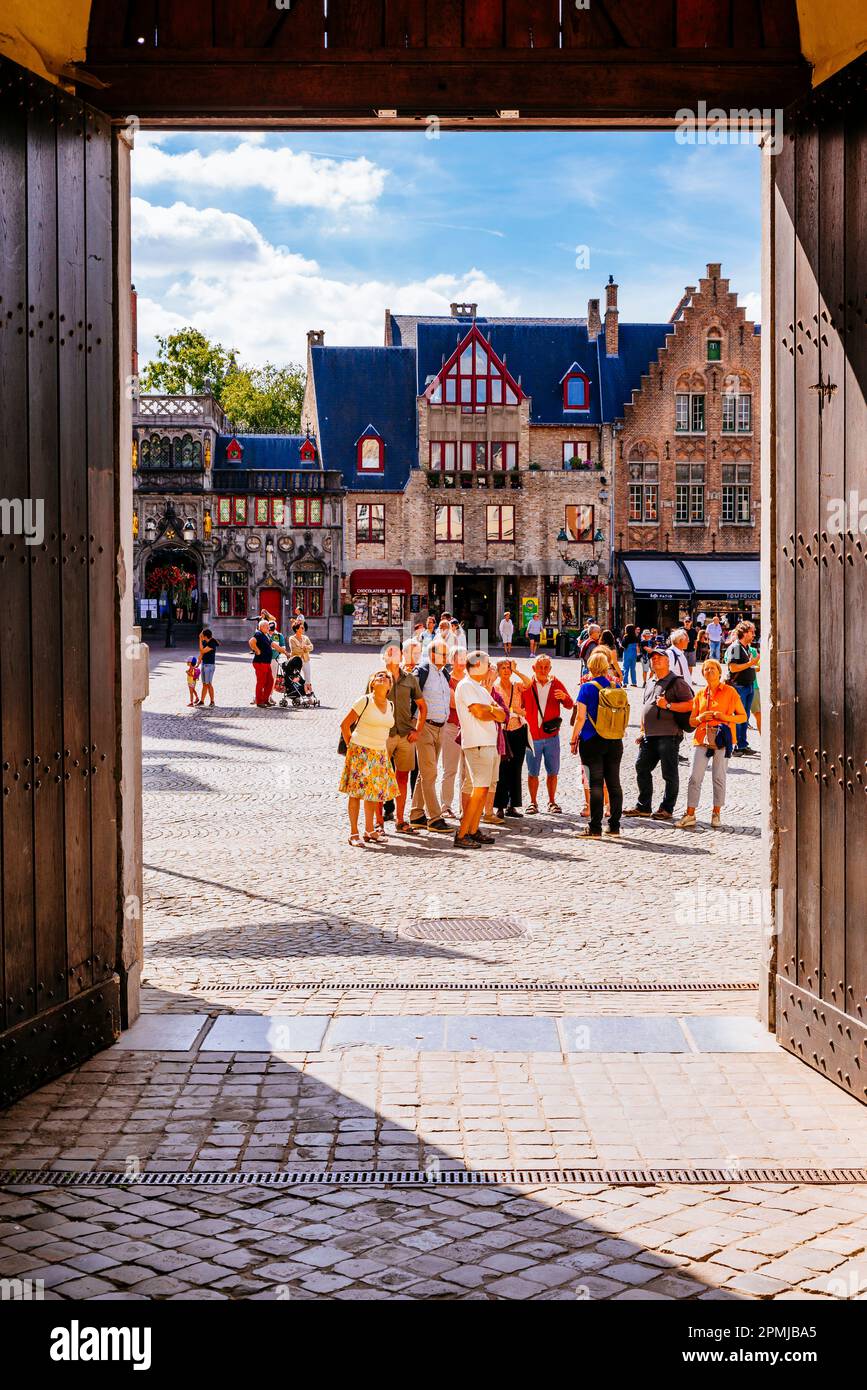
(367, 772)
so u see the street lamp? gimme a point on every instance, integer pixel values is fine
(189, 531)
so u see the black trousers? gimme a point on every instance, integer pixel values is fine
(510, 779)
(601, 757)
(652, 753)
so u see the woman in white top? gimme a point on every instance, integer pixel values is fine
(367, 772)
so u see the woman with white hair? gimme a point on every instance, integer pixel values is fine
(716, 711)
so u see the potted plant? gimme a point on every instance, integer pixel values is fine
(535, 467)
(433, 478)
(176, 584)
(348, 615)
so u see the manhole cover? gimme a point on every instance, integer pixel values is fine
(453, 929)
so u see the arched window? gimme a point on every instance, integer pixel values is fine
(232, 593)
(187, 452)
(714, 345)
(308, 591)
(160, 452)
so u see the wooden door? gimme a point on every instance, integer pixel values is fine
(59, 897)
(820, 497)
(271, 601)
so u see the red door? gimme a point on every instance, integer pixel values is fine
(271, 601)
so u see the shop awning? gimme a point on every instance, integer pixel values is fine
(657, 578)
(724, 578)
(380, 582)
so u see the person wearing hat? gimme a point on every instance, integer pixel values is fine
(507, 632)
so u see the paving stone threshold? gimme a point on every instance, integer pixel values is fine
(308, 1033)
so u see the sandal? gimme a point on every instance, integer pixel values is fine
(355, 840)
(373, 837)
(532, 809)
(554, 809)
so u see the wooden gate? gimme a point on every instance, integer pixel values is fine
(58, 592)
(819, 216)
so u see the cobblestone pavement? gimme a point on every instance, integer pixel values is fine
(548, 1242)
(250, 876)
(259, 915)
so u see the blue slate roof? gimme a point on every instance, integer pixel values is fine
(540, 352)
(264, 451)
(361, 386)
(621, 375)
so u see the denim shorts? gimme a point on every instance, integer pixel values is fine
(207, 674)
(546, 750)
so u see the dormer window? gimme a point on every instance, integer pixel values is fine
(308, 451)
(576, 389)
(371, 452)
(474, 378)
(234, 450)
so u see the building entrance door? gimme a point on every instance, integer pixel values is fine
(271, 601)
(474, 602)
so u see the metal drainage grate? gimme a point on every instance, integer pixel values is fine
(448, 930)
(469, 986)
(486, 1177)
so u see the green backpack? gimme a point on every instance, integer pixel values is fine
(612, 716)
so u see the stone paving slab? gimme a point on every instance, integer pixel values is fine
(283, 1032)
(539, 1242)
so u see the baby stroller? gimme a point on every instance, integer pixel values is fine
(291, 685)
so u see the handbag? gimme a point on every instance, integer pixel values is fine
(341, 746)
(546, 726)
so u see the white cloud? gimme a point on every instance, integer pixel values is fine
(294, 179)
(752, 302)
(215, 270)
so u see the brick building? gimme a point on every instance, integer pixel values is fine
(537, 465)
(686, 498)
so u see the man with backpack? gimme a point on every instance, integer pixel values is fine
(665, 715)
(601, 720)
(433, 676)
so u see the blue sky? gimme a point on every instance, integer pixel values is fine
(255, 239)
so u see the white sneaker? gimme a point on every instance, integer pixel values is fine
(685, 822)
(715, 820)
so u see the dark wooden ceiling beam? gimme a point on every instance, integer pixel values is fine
(555, 84)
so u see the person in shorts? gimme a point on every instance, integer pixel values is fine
(208, 645)
(479, 716)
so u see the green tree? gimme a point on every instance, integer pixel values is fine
(266, 398)
(257, 398)
(185, 361)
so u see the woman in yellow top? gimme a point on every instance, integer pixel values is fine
(367, 772)
(716, 706)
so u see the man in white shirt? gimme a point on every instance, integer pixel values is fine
(676, 652)
(507, 632)
(478, 715)
(715, 636)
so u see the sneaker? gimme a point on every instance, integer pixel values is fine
(637, 811)
(662, 815)
(494, 819)
(750, 753)
(465, 842)
(439, 826)
(737, 752)
(480, 838)
(588, 834)
(715, 820)
(418, 822)
(513, 811)
(686, 821)
(612, 831)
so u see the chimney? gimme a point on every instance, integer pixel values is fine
(315, 337)
(594, 322)
(682, 303)
(133, 299)
(612, 340)
(463, 311)
(389, 336)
